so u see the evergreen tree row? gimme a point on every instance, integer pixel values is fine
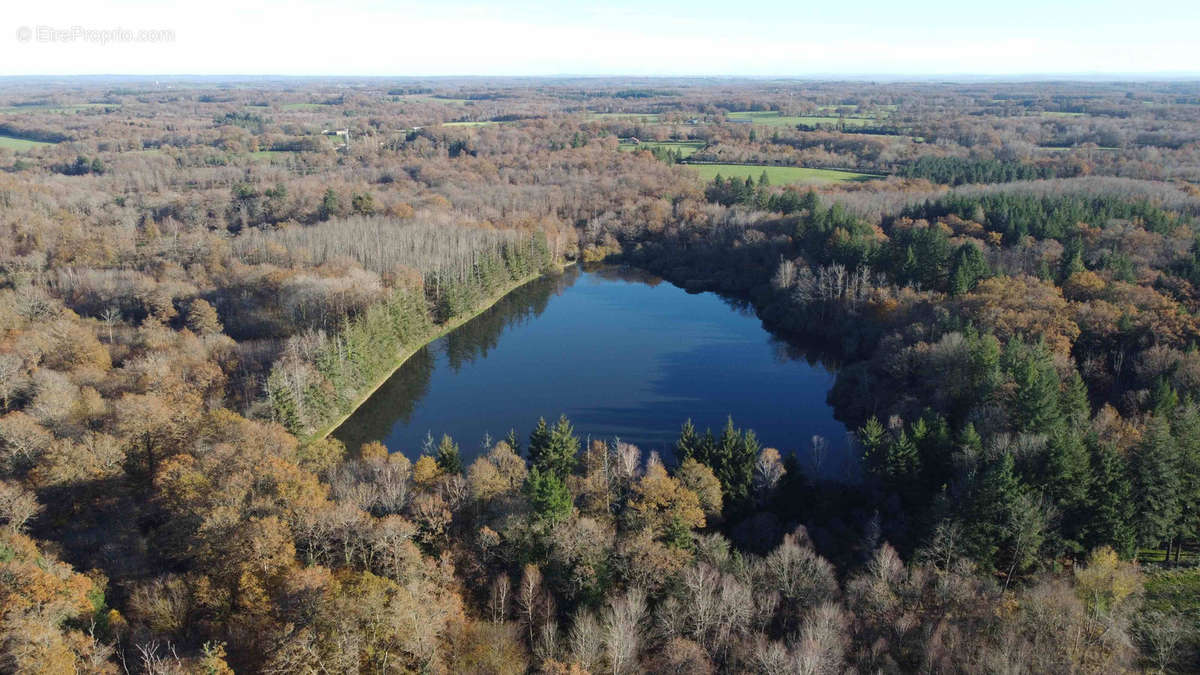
(309, 391)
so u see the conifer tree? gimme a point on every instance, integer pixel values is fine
(688, 444)
(554, 450)
(874, 441)
(449, 459)
(1076, 406)
(1185, 427)
(903, 461)
(1156, 485)
(1111, 506)
(539, 441)
(1068, 480)
(1036, 401)
(968, 267)
(513, 440)
(1163, 399)
(549, 496)
(992, 493)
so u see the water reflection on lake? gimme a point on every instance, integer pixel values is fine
(621, 353)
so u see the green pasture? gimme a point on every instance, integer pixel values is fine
(20, 144)
(684, 148)
(772, 118)
(779, 175)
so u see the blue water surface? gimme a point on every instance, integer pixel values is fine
(619, 352)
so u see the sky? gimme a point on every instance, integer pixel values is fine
(643, 37)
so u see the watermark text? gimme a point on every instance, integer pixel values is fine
(42, 34)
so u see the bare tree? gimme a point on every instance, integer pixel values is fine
(530, 602)
(498, 597)
(1161, 634)
(17, 505)
(623, 630)
(586, 640)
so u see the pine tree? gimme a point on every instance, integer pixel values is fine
(1185, 427)
(448, 457)
(903, 461)
(874, 443)
(992, 494)
(513, 441)
(969, 440)
(1156, 485)
(1111, 506)
(1036, 402)
(731, 457)
(330, 204)
(1068, 480)
(810, 203)
(539, 441)
(936, 449)
(688, 444)
(968, 267)
(549, 496)
(1163, 399)
(678, 535)
(1076, 406)
(1071, 261)
(554, 450)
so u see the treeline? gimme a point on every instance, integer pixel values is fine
(320, 375)
(959, 171)
(1016, 215)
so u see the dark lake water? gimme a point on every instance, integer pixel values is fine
(622, 354)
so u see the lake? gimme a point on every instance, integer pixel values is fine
(621, 353)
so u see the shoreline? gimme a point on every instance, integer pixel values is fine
(438, 332)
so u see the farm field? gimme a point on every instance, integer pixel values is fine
(268, 155)
(685, 148)
(61, 109)
(779, 175)
(469, 124)
(20, 144)
(641, 117)
(772, 118)
(302, 106)
(422, 98)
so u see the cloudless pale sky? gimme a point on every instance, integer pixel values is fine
(625, 37)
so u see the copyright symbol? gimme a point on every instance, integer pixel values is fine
(24, 33)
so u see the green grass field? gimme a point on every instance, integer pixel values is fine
(772, 118)
(425, 98)
(20, 144)
(779, 175)
(685, 148)
(268, 155)
(833, 108)
(302, 106)
(61, 109)
(469, 124)
(640, 117)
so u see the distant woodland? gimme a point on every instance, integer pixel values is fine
(199, 278)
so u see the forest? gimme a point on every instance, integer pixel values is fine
(200, 280)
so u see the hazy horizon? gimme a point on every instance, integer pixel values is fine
(772, 39)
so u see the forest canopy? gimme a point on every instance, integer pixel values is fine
(198, 282)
